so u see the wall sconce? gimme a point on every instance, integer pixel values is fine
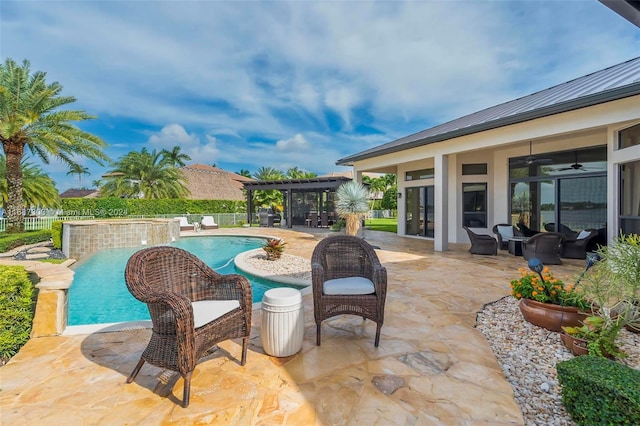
(399, 194)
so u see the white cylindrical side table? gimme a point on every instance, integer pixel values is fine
(282, 327)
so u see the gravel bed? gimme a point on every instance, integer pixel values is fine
(528, 355)
(288, 264)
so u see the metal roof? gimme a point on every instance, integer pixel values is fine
(610, 84)
(307, 184)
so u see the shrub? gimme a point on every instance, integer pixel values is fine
(16, 309)
(11, 241)
(600, 391)
(112, 207)
(56, 234)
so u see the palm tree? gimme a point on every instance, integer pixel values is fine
(175, 157)
(30, 116)
(296, 173)
(352, 204)
(78, 169)
(244, 172)
(266, 198)
(38, 189)
(144, 174)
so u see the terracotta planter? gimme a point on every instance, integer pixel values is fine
(576, 345)
(552, 317)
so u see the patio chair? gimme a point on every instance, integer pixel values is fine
(577, 248)
(545, 246)
(505, 231)
(481, 244)
(347, 278)
(192, 308)
(209, 223)
(184, 224)
(563, 229)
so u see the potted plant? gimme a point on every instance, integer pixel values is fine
(612, 285)
(274, 248)
(548, 302)
(352, 204)
(597, 336)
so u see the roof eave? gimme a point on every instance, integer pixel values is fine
(586, 101)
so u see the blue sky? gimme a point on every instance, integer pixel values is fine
(245, 84)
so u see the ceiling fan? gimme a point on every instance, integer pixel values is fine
(575, 165)
(532, 160)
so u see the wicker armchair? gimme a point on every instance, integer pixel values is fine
(192, 308)
(545, 246)
(503, 231)
(577, 248)
(347, 278)
(481, 244)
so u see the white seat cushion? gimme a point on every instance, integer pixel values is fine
(583, 234)
(349, 285)
(205, 311)
(505, 232)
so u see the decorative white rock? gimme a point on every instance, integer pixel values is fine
(282, 327)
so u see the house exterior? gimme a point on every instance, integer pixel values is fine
(565, 156)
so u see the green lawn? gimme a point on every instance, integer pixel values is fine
(386, 225)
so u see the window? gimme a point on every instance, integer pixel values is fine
(629, 137)
(419, 174)
(630, 198)
(474, 204)
(474, 169)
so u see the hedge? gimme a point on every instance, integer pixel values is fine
(598, 391)
(122, 207)
(16, 309)
(11, 241)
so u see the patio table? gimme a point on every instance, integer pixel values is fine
(514, 245)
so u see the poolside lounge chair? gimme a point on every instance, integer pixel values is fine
(481, 243)
(184, 224)
(209, 223)
(545, 246)
(347, 278)
(192, 308)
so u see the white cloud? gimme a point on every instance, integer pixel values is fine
(173, 135)
(296, 143)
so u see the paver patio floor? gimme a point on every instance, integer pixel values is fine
(432, 366)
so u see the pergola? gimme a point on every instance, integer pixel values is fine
(301, 196)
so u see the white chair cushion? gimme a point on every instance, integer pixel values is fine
(208, 221)
(205, 311)
(505, 231)
(583, 234)
(349, 285)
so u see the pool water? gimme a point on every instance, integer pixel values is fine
(99, 295)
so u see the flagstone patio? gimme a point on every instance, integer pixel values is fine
(432, 366)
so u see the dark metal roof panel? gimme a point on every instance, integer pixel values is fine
(616, 82)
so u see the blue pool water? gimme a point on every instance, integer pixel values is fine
(99, 294)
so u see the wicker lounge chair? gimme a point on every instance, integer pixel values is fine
(209, 223)
(481, 244)
(192, 308)
(577, 248)
(545, 246)
(347, 278)
(503, 232)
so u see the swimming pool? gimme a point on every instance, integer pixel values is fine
(99, 295)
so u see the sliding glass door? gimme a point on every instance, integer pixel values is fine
(420, 211)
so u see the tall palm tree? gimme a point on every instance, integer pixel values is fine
(31, 117)
(144, 174)
(244, 172)
(38, 189)
(175, 157)
(296, 173)
(78, 169)
(266, 198)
